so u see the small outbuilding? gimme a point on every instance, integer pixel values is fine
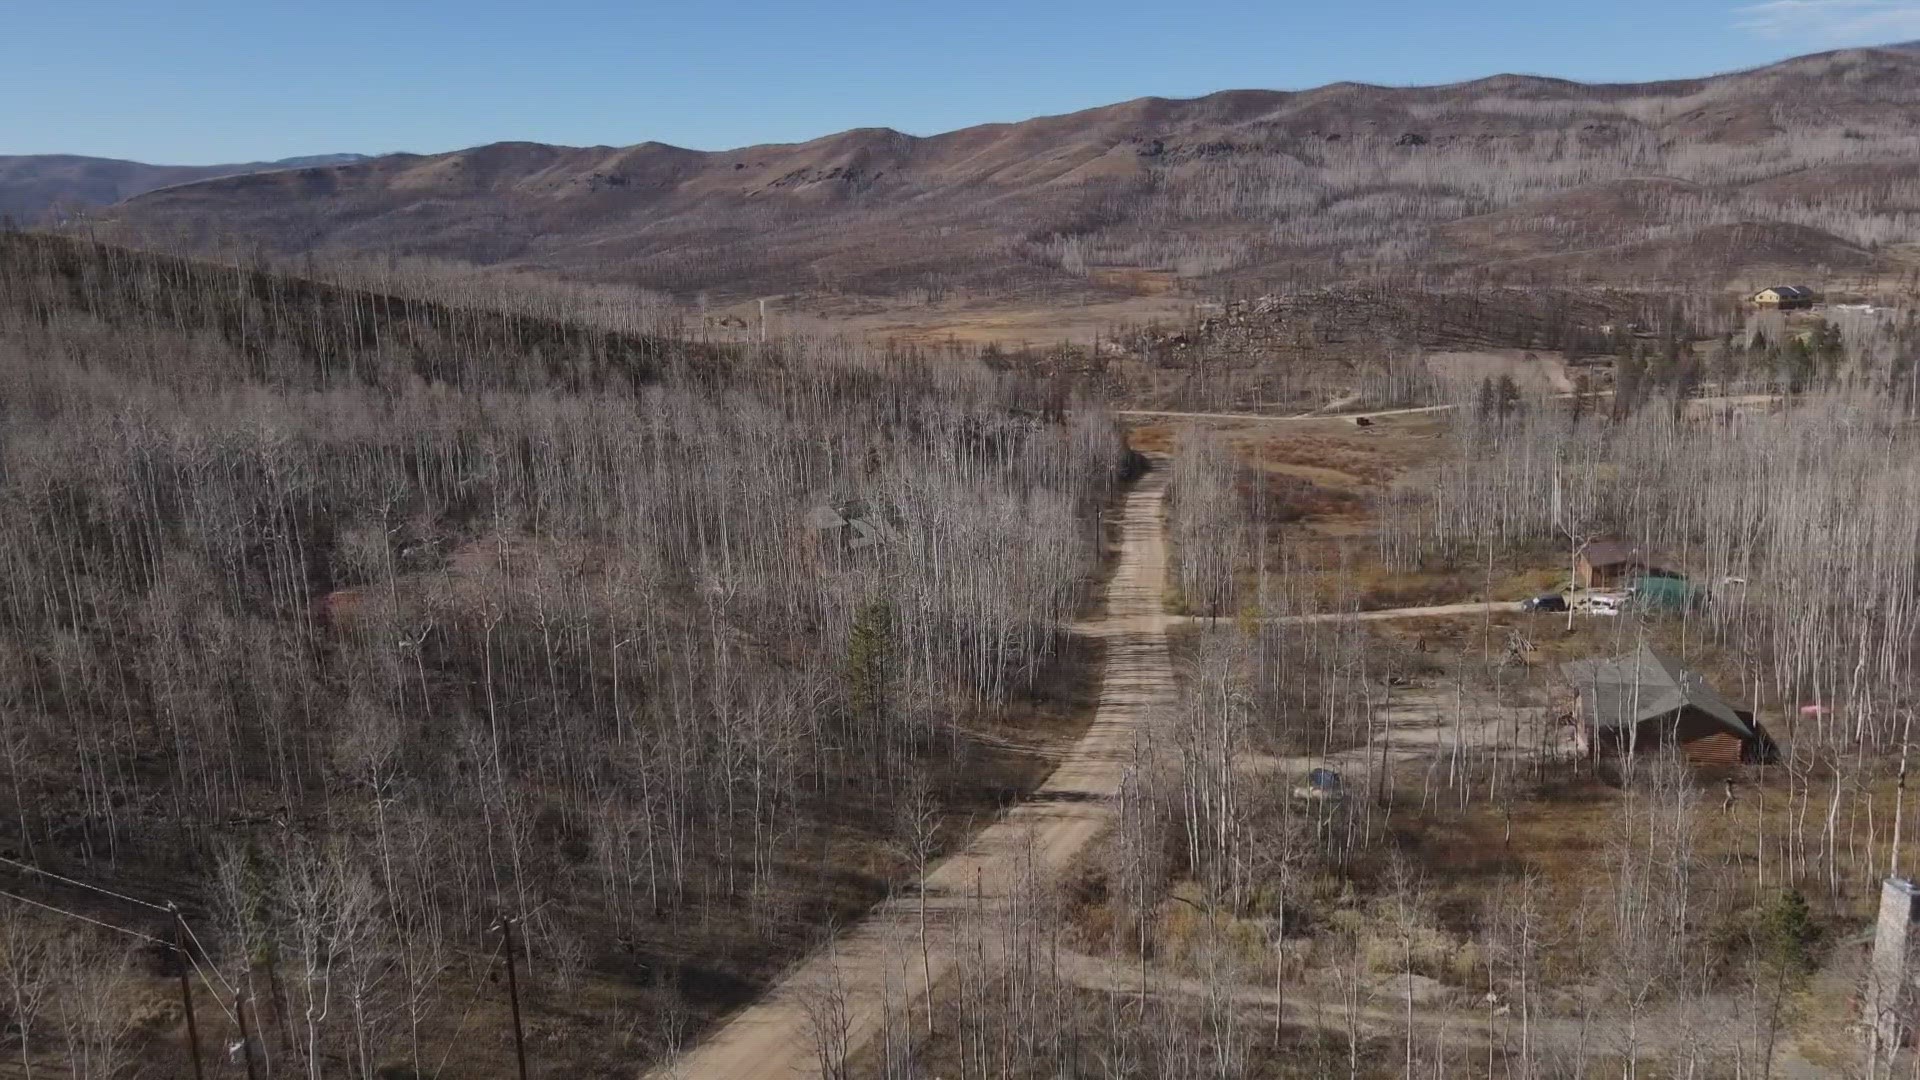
(853, 525)
(1646, 701)
(1612, 564)
(1784, 297)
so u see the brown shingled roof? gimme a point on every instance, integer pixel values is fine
(1620, 553)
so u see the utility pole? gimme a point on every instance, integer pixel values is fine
(186, 989)
(513, 995)
(246, 1040)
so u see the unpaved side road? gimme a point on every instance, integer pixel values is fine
(1565, 1045)
(846, 988)
(1385, 614)
(1694, 404)
(1161, 414)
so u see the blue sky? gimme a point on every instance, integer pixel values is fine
(202, 81)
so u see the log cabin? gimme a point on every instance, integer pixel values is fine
(1645, 701)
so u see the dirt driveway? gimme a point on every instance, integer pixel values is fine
(1437, 611)
(834, 1002)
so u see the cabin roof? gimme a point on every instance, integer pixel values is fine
(1644, 685)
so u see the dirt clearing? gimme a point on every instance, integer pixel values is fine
(1534, 372)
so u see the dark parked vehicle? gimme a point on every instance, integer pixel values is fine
(1322, 785)
(1552, 601)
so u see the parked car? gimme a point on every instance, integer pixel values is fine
(1552, 601)
(1322, 785)
(1600, 604)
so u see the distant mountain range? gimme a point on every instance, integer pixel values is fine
(32, 185)
(1809, 167)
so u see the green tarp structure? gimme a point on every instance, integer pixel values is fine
(1665, 593)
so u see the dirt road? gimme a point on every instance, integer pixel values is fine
(1159, 414)
(1695, 404)
(1437, 611)
(1564, 1044)
(838, 996)
(1367, 1014)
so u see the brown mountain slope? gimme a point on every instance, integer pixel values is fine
(31, 185)
(1512, 176)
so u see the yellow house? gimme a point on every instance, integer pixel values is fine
(1785, 297)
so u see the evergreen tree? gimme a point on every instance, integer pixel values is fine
(1830, 352)
(1796, 365)
(1506, 396)
(1787, 936)
(1629, 383)
(1727, 362)
(869, 661)
(1662, 365)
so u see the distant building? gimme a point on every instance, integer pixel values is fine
(1645, 701)
(850, 526)
(1784, 297)
(1609, 564)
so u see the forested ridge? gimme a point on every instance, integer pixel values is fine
(1802, 168)
(244, 322)
(354, 622)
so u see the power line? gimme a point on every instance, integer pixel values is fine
(169, 908)
(85, 919)
(478, 985)
(84, 885)
(212, 991)
(231, 989)
(186, 999)
(178, 945)
(180, 924)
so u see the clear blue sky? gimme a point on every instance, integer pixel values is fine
(203, 81)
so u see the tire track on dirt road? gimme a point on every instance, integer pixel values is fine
(878, 965)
